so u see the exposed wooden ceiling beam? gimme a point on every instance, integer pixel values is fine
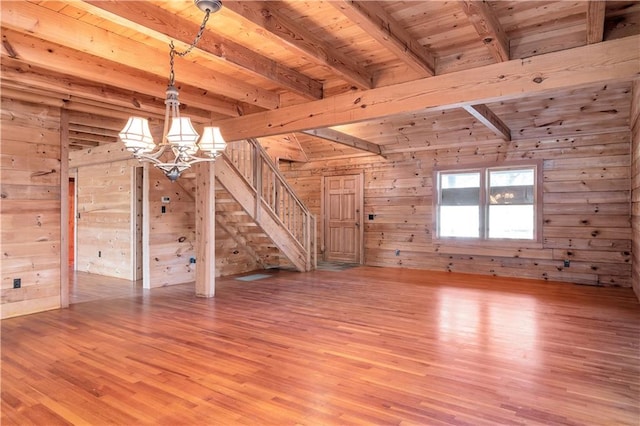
(597, 63)
(371, 17)
(103, 107)
(78, 144)
(159, 23)
(56, 28)
(344, 139)
(91, 130)
(284, 147)
(97, 121)
(78, 107)
(595, 20)
(485, 116)
(30, 78)
(488, 27)
(60, 59)
(18, 93)
(94, 139)
(283, 31)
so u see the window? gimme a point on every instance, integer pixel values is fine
(488, 203)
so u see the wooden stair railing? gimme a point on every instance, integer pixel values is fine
(273, 197)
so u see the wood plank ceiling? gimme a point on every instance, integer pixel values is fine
(106, 60)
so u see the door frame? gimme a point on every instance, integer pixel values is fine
(137, 222)
(323, 229)
(73, 198)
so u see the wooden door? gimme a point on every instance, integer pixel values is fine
(343, 218)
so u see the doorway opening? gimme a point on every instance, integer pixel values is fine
(97, 230)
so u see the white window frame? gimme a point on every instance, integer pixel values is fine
(484, 204)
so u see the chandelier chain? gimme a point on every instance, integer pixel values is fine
(173, 51)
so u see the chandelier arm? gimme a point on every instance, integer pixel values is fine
(168, 166)
(147, 158)
(153, 156)
(195, 159)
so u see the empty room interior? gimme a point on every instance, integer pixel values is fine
(325, 212)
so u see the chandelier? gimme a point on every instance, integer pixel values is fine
(178, 133)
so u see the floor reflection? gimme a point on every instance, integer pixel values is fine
(504, 325)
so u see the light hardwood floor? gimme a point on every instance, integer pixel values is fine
(360, 346)
(85, 287)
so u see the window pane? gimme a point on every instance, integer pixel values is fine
(459, 221)
(511, 186)
(460, 197)
(460, 180)
(460, 189)
(511, 195)
(514, 222)
(511, 177)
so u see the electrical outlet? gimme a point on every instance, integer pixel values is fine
(372, 216)
(567, 263)
(17, 282)
(163, 209)
(192, 260)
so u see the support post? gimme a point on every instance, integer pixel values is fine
(146, 228)
(205, 229)
(64, 208)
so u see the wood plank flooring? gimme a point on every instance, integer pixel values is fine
(85, 287)
(360, 346)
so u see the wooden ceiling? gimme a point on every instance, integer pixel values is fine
(260, 61)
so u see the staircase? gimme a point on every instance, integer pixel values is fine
(260, 211)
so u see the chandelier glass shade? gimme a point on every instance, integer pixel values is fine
(178, 137)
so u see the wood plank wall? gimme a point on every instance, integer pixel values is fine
(172, 233)
(31, 209)
(231, 257)
(586, 208)
(635, 184)
(104, 222)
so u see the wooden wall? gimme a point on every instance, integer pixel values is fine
(172, 233)
(104, 225)
(635, 184)
(231, 257)
(30, 228)
(586, 208)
